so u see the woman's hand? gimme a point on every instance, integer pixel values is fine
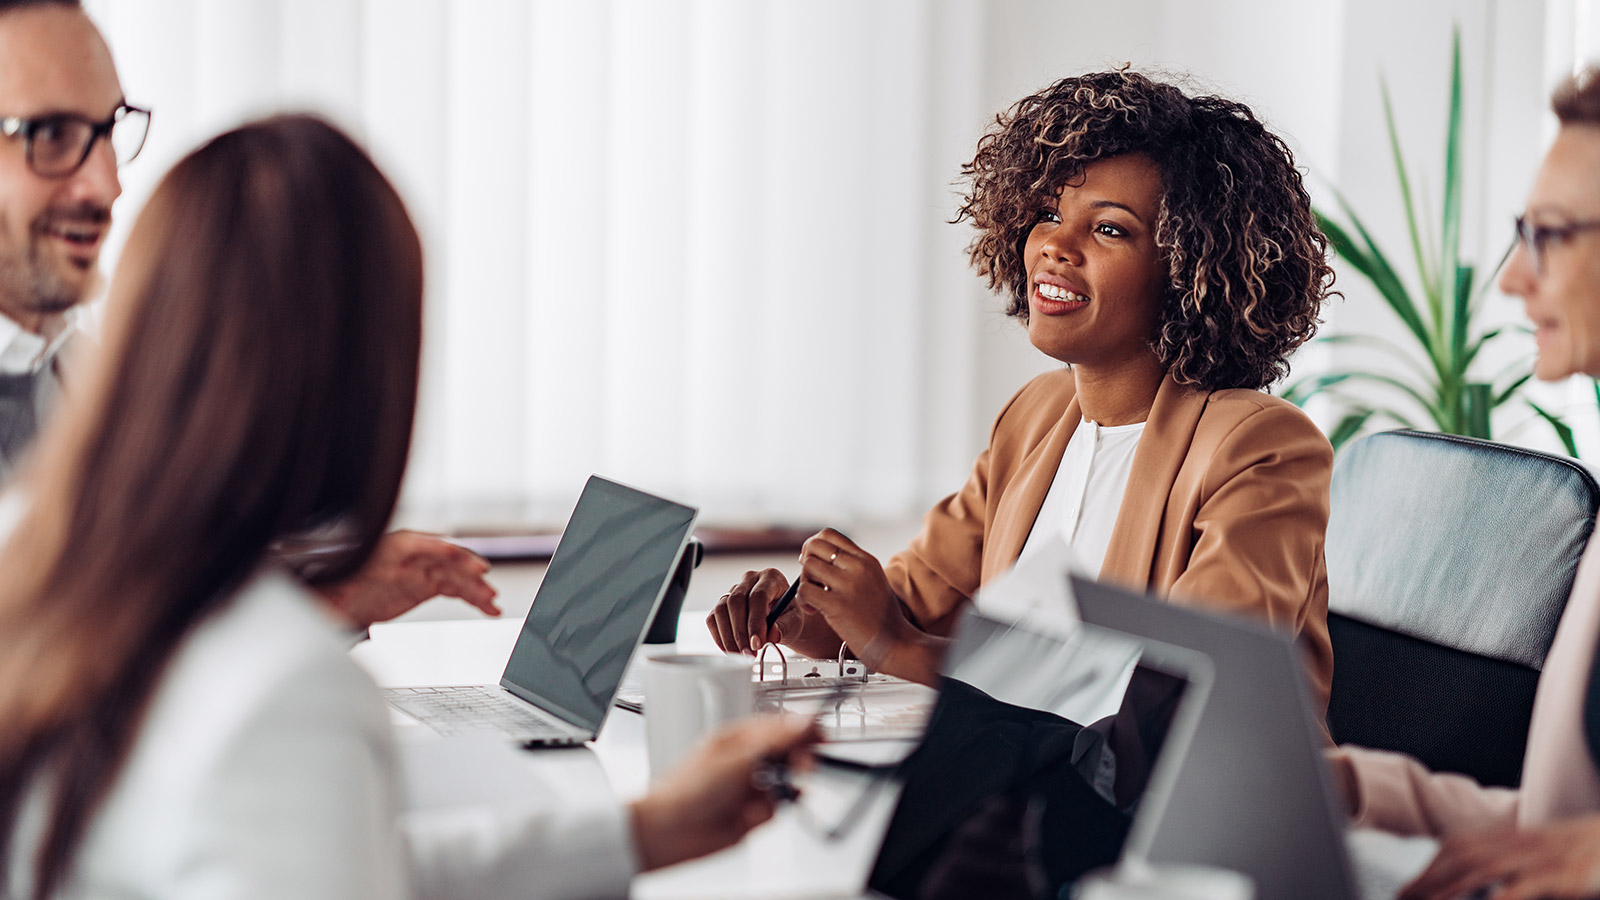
(844, 596)
(847, 586)
(739, 620)
(710, 800)
(1559, 861)
(406, 568)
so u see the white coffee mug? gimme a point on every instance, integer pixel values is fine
(686, 696)
(1161, 881)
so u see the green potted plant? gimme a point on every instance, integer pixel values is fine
(1443, 388)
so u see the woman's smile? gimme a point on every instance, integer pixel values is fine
(1055, 296)
(1096, 276)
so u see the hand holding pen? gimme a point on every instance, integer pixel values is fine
(765, 607)
(746, 617)
(773, 774)
(782, 606)
(721, 790)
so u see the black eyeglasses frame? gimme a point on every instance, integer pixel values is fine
(28, 126)
(1537, 238)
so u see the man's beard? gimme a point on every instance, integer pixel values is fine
(30, 282)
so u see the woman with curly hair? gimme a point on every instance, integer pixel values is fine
(1162, 246)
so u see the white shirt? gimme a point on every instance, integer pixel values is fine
(265, 768)
(1086, 495)
(23, 352)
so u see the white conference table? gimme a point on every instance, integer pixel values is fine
(783, 858)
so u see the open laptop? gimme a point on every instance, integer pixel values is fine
(608, 574)
(1071, 738)
(1253, 793)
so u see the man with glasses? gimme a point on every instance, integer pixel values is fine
(58, 87)
(1543, 838)
(65, 128)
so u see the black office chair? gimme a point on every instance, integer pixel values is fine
(1449, 563)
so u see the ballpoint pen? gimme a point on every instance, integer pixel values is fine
(782, 605)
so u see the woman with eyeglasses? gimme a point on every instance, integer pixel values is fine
(179, 717)
(1541, 839)
(1161, 247)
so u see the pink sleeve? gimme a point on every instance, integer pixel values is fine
(1396, 793)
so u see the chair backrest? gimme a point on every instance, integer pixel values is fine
(1449, 564)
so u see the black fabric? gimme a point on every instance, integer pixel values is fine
(993, 855)
(977, 749)
(1455, 711)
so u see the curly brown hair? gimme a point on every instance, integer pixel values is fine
(1247, 265)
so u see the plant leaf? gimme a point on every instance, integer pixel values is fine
(1562, 429)
(1382, 345)
(1477, 401)
(1303, 390)
(1511, 388)
(1428, 288)
(1471, 352)
(1450, 226)
(1382, 412)
(1512, 369)
(1483, 288)
(1349, 427)
(1461, 315)
(1372, 264)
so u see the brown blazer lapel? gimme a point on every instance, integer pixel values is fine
(1162, 449)
(1019, 505)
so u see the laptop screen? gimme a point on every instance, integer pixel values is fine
(608, 573)
(1039, 753)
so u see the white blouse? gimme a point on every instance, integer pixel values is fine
(1086, 495)
(265, 768)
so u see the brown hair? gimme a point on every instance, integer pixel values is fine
(1247, 267)
(1577, 100)
(259, 380)
(14, 5)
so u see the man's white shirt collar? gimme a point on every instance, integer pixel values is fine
(23, 352)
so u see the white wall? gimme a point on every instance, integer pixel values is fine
(1312, 72)
(809, 342)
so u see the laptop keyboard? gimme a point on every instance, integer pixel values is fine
(475, 708)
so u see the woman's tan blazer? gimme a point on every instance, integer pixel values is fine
(1226, 508)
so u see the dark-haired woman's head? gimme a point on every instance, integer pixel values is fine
(1228, 235)
(270, 297)
(258, 379)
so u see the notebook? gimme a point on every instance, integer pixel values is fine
(609, 572)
